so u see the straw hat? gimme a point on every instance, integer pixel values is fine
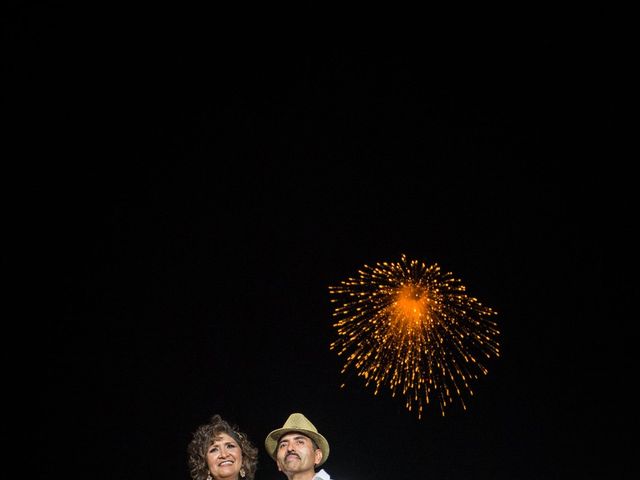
(297, 423)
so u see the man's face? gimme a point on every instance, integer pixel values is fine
(296, 454)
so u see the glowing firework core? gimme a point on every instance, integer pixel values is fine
(411, 305)
(413, 329)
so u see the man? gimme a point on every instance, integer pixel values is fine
(298, 449)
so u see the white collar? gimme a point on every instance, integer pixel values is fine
(321, 475)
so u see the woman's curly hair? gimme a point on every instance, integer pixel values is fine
(203, 438)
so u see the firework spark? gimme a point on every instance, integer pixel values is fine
(413, 329)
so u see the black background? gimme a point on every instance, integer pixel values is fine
(199, 189)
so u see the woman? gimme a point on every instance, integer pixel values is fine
(218, 451)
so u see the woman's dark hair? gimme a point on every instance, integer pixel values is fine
(203, 438)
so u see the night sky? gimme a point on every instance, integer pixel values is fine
(207, 190)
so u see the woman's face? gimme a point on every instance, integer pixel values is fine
(224, 458)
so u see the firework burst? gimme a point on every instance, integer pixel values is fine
(413, 329)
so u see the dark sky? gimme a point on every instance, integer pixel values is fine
(207, 190)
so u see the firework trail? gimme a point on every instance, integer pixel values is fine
(413, 329)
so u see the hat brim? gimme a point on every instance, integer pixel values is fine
(271, 442)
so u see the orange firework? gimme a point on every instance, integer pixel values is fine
(409, 327)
